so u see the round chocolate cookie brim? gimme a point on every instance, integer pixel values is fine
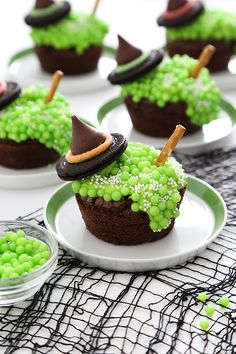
(150, 63)
(187, 18)
(12, 92)
(73, 171)
(44, 20)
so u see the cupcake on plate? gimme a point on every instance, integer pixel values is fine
(66, 40)
(161, 93)
(33, 132)
(127, 193)
(190, 27)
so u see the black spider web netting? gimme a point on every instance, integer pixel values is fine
(85, 310)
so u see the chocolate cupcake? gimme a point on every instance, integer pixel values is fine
(65, 40)
(125, 196)
(32, 133)
(190, 27)
(162, 95)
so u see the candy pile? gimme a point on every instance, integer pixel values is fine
(20, 255)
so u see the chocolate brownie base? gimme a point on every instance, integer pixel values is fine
(116, 223)
(67, 60)
(25, 155)
(219, 61)
(149, 119)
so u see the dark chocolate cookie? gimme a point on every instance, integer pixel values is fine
(13, 90)
(150, 63)
(196, 10)
(42, 19)
(73, 171)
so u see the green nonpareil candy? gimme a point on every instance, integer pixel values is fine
(204, 325)
(50, 123)
(170, 82)
(28, 255)
(202, 297)
(76, 30)
(224, 301)
(209, 309)
(211, 24)
(153, 190)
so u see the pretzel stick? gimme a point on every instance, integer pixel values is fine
(170, 145)
(203, 60)
(95, 7)
(55, 82)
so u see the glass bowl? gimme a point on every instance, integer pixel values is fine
(24, 286)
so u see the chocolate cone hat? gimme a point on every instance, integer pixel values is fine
(84, 137)
(47, 12)
(126, 52)
(133, 63)
(9, 91)
(42, 4)
(180, 13)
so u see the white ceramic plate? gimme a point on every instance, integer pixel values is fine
(114, 117)
(28, 179)
(26, 70)
(203, 215)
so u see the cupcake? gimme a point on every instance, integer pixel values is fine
(32, 133)
(190, 27)
(65, 40)
(127, 194)
(161, 93)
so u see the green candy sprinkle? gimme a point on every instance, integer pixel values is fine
(145, 190)
(30, 111)
(202, 297)
(204, 325)
(170, 82)
(116, 196)
(26, 254)
(76, 30)
(209, 309)
(224, 301)
(211, 24)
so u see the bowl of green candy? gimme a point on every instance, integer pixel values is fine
(28, 256)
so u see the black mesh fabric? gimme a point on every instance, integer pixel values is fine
(81, 309)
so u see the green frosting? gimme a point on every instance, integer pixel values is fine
(211, 24)
(170, 83)
(28, 117)
(76, 30)
(153, 190)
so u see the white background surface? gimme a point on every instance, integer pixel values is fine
(134, 19)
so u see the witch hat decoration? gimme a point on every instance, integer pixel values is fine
(46, 12)
(91, 151)
(132, 62)
(9, 91)
(84, 137)
(180, 12)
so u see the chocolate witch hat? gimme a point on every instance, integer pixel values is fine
(9, 91)
(46, 12)
(132, 62)
(180, 12)
(91, 151)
